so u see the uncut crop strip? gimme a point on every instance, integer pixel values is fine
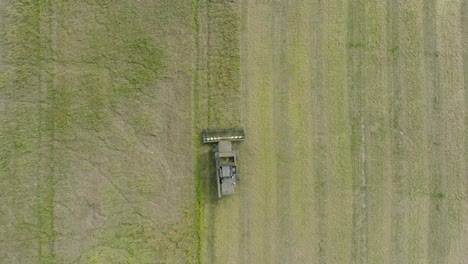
(219, 101)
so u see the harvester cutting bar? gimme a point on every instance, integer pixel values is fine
(213, 136)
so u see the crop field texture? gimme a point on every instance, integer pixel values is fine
(356, 131)
(96, 132)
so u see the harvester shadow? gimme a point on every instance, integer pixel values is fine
(209, 176)
(210, 195)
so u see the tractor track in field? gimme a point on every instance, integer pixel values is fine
(282, 134)
(317, 86)
(357, 88)
(398, 246)
(412, 137)
(449, 196)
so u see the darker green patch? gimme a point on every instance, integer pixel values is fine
(394, 50)
(434, 54)
(355, 45)
(438, 195)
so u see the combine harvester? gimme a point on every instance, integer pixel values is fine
(225, 157)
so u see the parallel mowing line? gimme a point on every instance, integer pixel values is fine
(317, 90)
(303, 219)
(397, 250)
(450, 74)
(437, 220)
(356, 57)
(413, 138)
(259, 118)
(377, 138)
(281, 131)
(338, 158)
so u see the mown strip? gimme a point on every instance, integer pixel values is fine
(317, 110)
(412, 136)
(451, 195)
(356, 89)
(337, 155)
(199, 195)
(377, 134)
(301, 238)
(436, 163)
(281, 90)
(398, 245)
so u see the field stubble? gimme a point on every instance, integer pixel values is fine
(355, 113)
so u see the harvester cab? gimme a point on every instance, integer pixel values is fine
(225, 157)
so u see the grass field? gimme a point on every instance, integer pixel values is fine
(355, 115)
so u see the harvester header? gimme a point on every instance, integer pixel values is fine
(214, 136)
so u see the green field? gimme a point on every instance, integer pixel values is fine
(356, 119)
